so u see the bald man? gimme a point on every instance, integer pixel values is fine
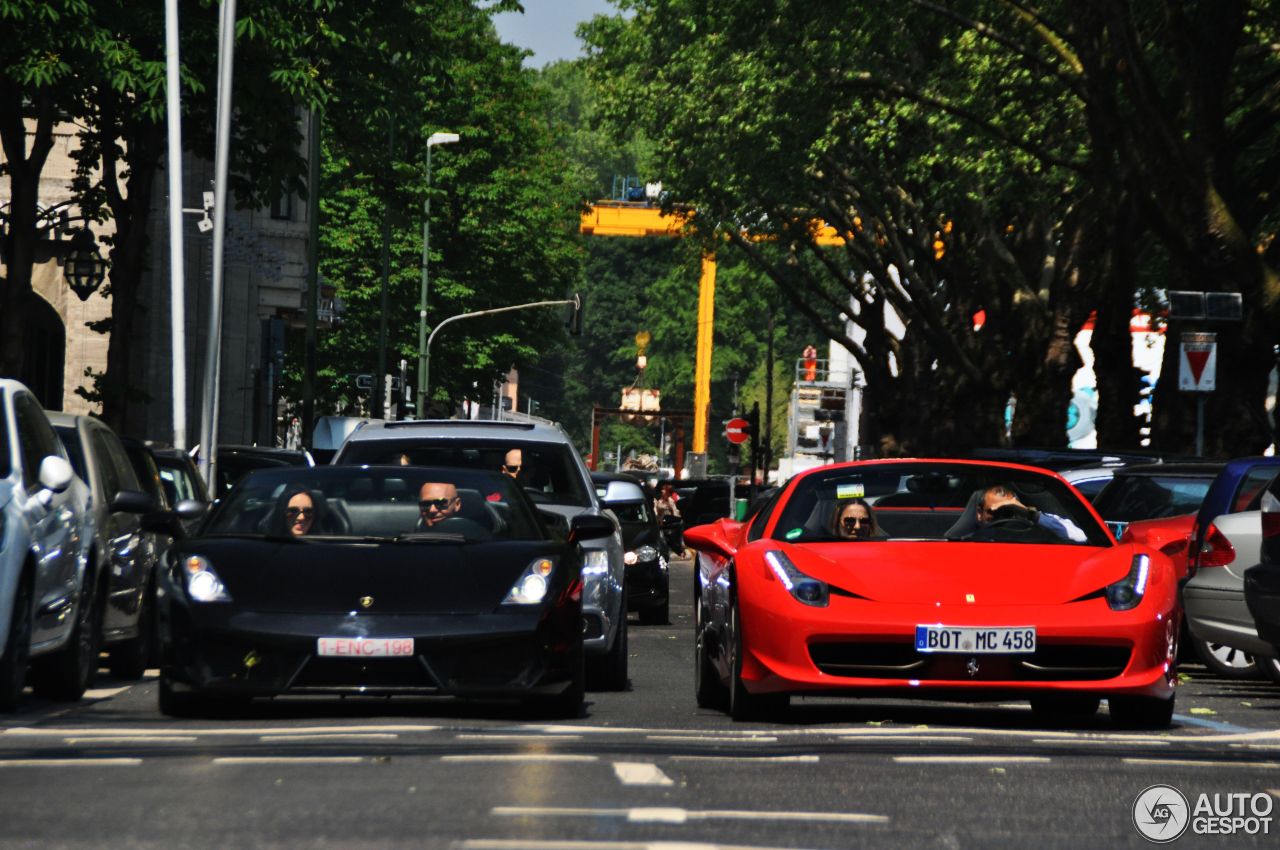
(438, 507)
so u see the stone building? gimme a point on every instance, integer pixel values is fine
(265, 280)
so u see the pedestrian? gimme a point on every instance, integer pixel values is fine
(810, 363)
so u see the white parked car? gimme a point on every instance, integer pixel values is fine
(50, 610)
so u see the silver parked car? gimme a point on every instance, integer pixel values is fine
(48, 609)
(548, 467)
(124, 552)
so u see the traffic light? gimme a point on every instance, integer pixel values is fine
(575, 316)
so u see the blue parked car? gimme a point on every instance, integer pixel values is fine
(1226, 540)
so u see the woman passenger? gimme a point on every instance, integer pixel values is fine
(854, 520)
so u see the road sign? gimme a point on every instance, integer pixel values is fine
(737, 430)
(1198, 361)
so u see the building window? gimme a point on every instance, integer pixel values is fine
(282, 207)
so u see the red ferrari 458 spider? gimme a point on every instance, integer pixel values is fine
(948, 579)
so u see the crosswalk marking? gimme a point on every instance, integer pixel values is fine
(640, 773)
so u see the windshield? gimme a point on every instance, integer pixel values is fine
(1130, 498)
(547, 472)
(412, 504)
(935, 501)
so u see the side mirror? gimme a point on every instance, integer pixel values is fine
(132, 502)
(55, 474)
(710, 538)
(590, 527)
(189, 509)
(171, 522)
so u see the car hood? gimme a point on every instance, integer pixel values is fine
(406, 578)
(952, 572)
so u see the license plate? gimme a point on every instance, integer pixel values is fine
(971, 640)
(340, 647)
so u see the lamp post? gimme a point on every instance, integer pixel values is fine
(84, 267)
(432, 140)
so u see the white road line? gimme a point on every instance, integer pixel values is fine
(715, 739)
(531, 738)
(526, 844)
(103, 693)
(640, 773)
(133, 739)
(1137, 742)
(1253, 765)
(957, 738)
(522, 757)
(102, 762)
(663, 814)
(287, 760)
(221, 731)
(972, 759)
(331, 736)
(806, 759)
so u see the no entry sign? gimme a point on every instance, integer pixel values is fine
(736, 430)
(1198, 362)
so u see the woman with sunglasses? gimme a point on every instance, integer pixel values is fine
(297, 512)
(855, 521)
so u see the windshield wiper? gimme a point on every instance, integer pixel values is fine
(431, 537)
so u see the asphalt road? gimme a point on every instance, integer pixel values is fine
(643, 769)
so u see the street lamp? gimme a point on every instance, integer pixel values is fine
(432, 140)
(84, 267)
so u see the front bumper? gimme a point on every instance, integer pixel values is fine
(218, 649)
(862, 647)
(647, 584)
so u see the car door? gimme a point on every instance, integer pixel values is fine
(54, 525)
(122, 531)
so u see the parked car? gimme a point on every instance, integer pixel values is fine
(125, 552)
(1262, 582)
(1224, 541)
(704, 500)
(1090, 480)
(556, 480)
(1154, 491)
(647, 555)
(935, 604)
(362, 596)
(235, 462)
(48, 609)
(179, 477)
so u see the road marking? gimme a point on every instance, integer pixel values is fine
(1256, 765)
(523, 757)
(864, 739)
(221, 731)
(102, 762)
(103, 693)
(972, 759)
(535, 738)
(807, 759)
(714, 739)
(662, 814)
(1139, 742)
(1210, 724)
(331, 736)
(525, 844)
(286, 760)
(640, 773)
(134, 739)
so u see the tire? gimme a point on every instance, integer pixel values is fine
(708, 690)
(744, 705)
(1141, 712)
(129, 659)
(68, 673)
(609, 673)
(656, 615)
(566, 705)
(17, 649)
(1064, 706)
(1226, 661)
(1270, 667)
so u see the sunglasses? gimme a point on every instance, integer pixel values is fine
(299, 513)
(511, 468)
(439, 504)
(854, 521)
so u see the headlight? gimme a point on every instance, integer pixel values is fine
(595, 562)
(531, 587)
(203, 584)
(645, 553)
(803, 588)
(1127, 593)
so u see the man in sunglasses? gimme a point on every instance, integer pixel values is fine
(438, 505)
(512, 463)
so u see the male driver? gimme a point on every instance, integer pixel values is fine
(513, 463)
(438, 506)
(1001, 503)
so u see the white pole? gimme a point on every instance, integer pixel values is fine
(213, 350)
(177, 262)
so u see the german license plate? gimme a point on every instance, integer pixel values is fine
(979, 640)
(341, 647)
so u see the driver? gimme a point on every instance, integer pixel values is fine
(439, 504)
(1000, 503)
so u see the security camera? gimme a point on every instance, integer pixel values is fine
(205, 224)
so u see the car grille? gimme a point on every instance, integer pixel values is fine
(899, 660)
(388, 674)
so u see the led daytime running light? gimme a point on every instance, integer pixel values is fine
(803, 588)
(1127, 593)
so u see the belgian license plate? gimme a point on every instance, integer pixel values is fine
(341, 647)
(976, 640)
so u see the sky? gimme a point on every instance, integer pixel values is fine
(547, 26)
